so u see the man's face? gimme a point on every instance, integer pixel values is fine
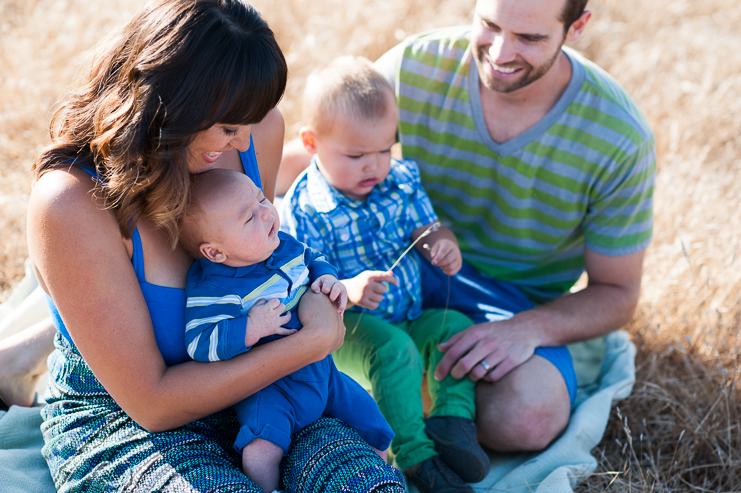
(516, 42)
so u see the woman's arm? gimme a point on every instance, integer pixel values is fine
(78, 250)
(267, 136)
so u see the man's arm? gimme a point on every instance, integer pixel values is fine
(607, 303)
(295, 159)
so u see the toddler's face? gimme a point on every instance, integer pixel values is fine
(245, 223)
(356, 155)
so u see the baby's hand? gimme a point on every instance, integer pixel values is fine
(446, 255)
(332, 287)
(367, 288)
(265, 319)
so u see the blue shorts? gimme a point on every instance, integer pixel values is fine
(485, 299)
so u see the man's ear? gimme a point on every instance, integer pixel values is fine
(212, 253)
(576, 31)
(308, 139)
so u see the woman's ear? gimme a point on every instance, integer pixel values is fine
(308, 139)
(212, 253)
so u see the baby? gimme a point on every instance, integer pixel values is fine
(243, 290)
(363, 209)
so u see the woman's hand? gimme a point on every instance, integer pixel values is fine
(320, 319)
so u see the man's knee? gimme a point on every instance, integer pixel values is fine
(525, 411)
(528, 429)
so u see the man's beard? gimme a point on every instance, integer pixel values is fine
(529, 74)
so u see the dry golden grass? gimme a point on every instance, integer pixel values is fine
(680, 430)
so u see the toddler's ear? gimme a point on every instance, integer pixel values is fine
(308, 139)
(212, 253)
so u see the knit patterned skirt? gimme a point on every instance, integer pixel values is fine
(91, 445)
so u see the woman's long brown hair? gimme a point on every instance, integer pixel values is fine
(176, 69)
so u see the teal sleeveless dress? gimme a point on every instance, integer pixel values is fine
(91, 444)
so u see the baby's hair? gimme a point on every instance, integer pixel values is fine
(347, 86)
(204, 188)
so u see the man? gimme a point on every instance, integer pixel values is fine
(544, 168)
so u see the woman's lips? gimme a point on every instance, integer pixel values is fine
(211, 157)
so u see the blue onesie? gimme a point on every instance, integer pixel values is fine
(218, 299)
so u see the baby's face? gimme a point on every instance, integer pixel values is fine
(244, 223)
(354, 156)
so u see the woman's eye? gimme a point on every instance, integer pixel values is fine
(230, 131)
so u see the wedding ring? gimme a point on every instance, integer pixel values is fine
(486, 365)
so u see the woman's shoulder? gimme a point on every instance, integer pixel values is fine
(64, 190)
(63, 202)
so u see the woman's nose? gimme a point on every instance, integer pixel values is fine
(241, 141)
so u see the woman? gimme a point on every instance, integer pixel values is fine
(186, 86)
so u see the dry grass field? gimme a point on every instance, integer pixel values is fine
(679, 59)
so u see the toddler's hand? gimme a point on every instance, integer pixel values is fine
(332, 287)
(446, 255)
(266, 318)
(367, 288)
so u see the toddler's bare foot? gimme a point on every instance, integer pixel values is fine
(23, 361)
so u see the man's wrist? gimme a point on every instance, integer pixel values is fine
(531, 326)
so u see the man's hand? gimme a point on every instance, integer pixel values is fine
(502, 346)
(367, 289)
(332, 287)
(266, 318)
(445, 254)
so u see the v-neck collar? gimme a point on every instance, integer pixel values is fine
(533, 133)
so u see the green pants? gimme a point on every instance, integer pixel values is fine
(390, 359)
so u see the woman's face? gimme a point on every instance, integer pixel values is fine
(208, 145)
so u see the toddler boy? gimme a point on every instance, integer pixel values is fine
(362, 209)
(243, 290)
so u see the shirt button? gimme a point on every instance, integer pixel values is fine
(345, 236)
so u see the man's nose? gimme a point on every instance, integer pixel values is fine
(501, 49)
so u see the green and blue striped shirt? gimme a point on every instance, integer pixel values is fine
(524, 210)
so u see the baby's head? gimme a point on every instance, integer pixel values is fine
(229, 220)
(350, 114)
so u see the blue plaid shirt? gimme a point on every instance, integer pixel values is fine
(356, 236)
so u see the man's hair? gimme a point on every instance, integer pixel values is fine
(348, 87)
(571, 12)
(176, 69)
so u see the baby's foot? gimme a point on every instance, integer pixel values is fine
(17, 389)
